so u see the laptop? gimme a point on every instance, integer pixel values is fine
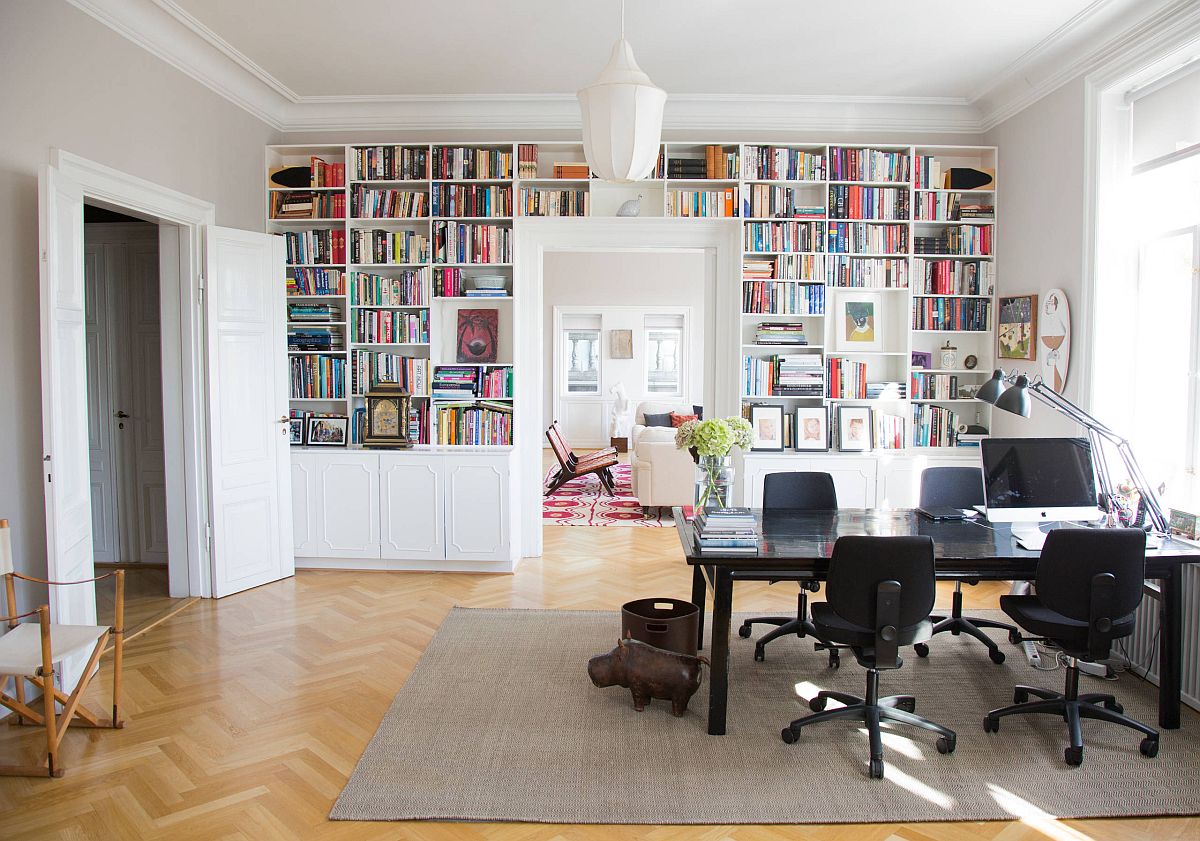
(942, 512)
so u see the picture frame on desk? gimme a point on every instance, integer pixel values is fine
(854, 429)
(812, 429)
(767, 425)
(327, 431)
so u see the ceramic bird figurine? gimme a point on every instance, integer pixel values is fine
(633, 207)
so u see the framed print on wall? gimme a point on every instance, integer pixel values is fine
(854, 428)
(858, 321)
(620, 344)
(767, 424)
(1016, 327)
(478, 335)
(812, 428)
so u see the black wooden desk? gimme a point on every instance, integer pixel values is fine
(796, 545)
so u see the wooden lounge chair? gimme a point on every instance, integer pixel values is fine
(572, 466)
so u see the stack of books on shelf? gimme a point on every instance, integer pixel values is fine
(373, 203)
(389, 327)
(726, 531)
(847, 379)
(460, 163)
(933, 386)
(866, 272)
(864, 238)
(702, 203)
(888, 431)
(462, 242)
(384, 247)
(758, 268)
(961, 239)
(316, 282)
(477, 423)
(978, 209)
(313, 313)
(406, 289)
(455, 382)
(774, 163)
(796, 375)
(527, 160)
(886, 390)
(934, 426)
(368, 367)
(783, 236)
(774, 333)
(767, 200)
(542, 201)
(955, 277)
(853, 202)
(571, 169)
(322, 174)
(969, 439)
(315, 247)
(964, 314)
(485, 293)
(472, 200)
(315, 376)
(868, 165)
(315, 338)
(949, 207)
(391, 163)
(779, 298)
(303, 204)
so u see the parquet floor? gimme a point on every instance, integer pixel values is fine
(146, 599)
(245, 716)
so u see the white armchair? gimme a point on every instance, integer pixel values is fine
(661, 474)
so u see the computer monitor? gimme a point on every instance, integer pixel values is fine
(1034, 480)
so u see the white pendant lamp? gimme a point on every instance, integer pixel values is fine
(622, 117)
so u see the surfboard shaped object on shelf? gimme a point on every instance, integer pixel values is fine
(1055, 339)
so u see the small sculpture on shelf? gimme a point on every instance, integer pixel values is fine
(649, 672)
(387, 417)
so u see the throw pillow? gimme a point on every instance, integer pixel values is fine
(679, 420)
(699, 410)
(659, 420)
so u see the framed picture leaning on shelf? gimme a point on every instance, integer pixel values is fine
(327, 431)
(854, 428)
(858, 321)
(767, 425)
(1016, 327)
(812, 428)
(296, 431)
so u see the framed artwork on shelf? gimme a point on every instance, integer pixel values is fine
(854, 428)
(620, 344)
(327, 430)
(858, 322)
(922, 359)
(812, 428)
(1016, 328)
(767, 424)
(296, 431)
(478, 334)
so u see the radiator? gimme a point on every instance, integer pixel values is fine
(1142, 648)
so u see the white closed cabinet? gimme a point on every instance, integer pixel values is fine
(477, 509)
(412, 507)
(304, 524)
(853, 477)
(348, 520)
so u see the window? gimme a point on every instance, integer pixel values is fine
(582, 360)
(664, 355)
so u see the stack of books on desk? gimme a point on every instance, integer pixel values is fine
(726, 531)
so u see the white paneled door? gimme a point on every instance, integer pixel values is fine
(65, 457)
(251, 508)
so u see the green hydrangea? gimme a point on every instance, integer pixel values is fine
(743, 433)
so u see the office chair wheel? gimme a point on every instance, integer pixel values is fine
(1020, 696)
(789, 735)
(997, 656)
(1014, 637)
(946, 745)
(1115, 706)
(744, 631)
(922, 649)
(876, 769)
(835, 660)
(760, 652)
(817, 704)
(991, 724)
(1149, 746)
(1073, 756)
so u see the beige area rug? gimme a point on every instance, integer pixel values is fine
(499, 722)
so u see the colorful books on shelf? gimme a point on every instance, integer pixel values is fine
(702, 203)
(315, 338)
(475, 423)
(726, 530)
(303, 204)
(847, 378)
(527, 160)
(316, 376)
(406, 289)
(934, 426)
(776, 333)
(391, 163)
(782, 298)
(783, 236)
(778, 163)
(796, 375)
(325, 174)
(315, 247)
(868, 165)
(854, 202)
(301, 281)
(384, 247)
(954, 277)
(866, 272)
(718, 162)
(472, 200)
(571, 169)
(927, 173)
(376, 203)
(769, 200)
(462, 163)
(928, 386)
(388, 327)
(456, 382)
(785, 267)
(313, 312)
(888, 431)
(960, 239)
(866, 238)
(970, 314)
(543, 201)
(368, 367)
(949, 207)
(465, 242)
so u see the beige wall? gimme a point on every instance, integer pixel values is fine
(72, 83)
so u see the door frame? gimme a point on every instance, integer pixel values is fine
(181, 220)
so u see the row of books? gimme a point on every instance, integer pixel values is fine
(318, 376)
(702, 203)
(307, 205)
(925, 386)
(457, 163)
(777, 163)
(391, 163)
(368, 367)
(389, 327)
(375, 203)
(471, 200)
(847, 378)
(853, 202)
(887, 431)
(315, 338)
(866, 272)
(453, 282)
(323, 174)
(313, 312)
(868, 165)
(726, 530)
(463, 242)
(960, 239)
(571, 169)
(527, 160)
(954, 277)
(460, 382)
(864, 238)
(949, 207)
(407, 289)
(718, 162)
(951, 314)
(792, 375)
(476, 423)
(785, 267)
(542, 201)
(773, 298)
(886, 390)
(934, 426)
(302, 281)
(777, 333)
(927, 172)
(769, 200)
(381, 247)
(783, 236)
(315, 246)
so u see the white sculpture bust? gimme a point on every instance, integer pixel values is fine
(621, 422)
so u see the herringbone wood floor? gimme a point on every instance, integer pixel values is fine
(245, 716)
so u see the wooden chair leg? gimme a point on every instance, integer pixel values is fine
(561, 479)
(48, 697)
(11, 594)
(118, 649)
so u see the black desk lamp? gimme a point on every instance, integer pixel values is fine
(1011, 393)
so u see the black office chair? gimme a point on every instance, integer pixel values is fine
(797, 491)
(959, 487)
(1089, 583)
(879, 594)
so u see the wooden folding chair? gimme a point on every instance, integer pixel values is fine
(572, 466)
(28, 653)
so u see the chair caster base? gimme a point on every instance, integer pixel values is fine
(744, 632)
(922, 649)
(1149, 747)
(945, 745)
(996, 655)
(991, 724)
(789, 735)
(760, 653)
(876, 769)
(1073, 756)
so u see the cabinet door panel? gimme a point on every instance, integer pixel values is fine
(477, 516)
(854, 479)
(348, 497)
(412, 512)
(304, 521)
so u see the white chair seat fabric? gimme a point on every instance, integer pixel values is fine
(21, 648)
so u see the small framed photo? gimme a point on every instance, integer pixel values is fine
(854, 428)
(812, 428)
(327, 431)
(296, 432)
(859, 326)
(767, 424)
(922, 359)
(1016, 327)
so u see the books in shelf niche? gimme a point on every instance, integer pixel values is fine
(527, 160)
(795, 375)
(391, 163)
(866, 238)
(767, 200)
(376, 203)
(776, 298)
(406, 289)
(315, 338)
(386, 327)
(954, 277)
(317, 376)
(783, 236)
(776, 163)
(961, 239)
(949, 207)
(927, 172)
(456, 382)
(452, 282)
(853, 202)
(313, 313)
(542, 201)
(571, 169)
(785, 267)
(727, 530)
(934, 426)
(368, 367)
(325, 174)
(301, 281)
(951, 314)
(471, 200)
(476, 423)
(847, 378)
(702, 203)
(460, 163)
(383, 247)
(776, 333)
(315, 247)
(866, 272)
(718, 162)
(293, 204)
(466, 242)
(930, 386)
(887, 430)
(868, 165)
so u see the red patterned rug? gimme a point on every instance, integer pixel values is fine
(583, 502)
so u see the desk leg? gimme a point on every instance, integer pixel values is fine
(1170, 620)
(718, 690)
(699, 591)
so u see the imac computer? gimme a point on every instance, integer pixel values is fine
(1028, 481)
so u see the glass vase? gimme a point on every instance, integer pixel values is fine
(714, 482)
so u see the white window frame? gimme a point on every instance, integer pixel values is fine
(677, 322)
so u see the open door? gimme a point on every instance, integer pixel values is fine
(65, 456)
(249, 458)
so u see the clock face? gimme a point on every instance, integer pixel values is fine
(385, 418)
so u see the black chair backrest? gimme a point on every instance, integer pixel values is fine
(951, 487)
(1093, 576)
(799, 490)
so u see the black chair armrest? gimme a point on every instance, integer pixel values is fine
(1100, 619)
(887, 621)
